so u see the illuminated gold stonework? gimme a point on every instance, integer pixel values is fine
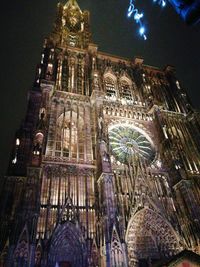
(71, 26)
(105, 168)
(73, 18)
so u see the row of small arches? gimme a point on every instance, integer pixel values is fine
(128, 114)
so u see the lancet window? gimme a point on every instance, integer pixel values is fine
(38, 143)
(56, 189)
(70, 137)
(125, 91)
(110, 88)
(68, 125)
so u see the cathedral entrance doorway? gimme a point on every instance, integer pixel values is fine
(67, 248)
(65, 264)
(150, 238)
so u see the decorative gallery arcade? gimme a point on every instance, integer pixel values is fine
(105, 168)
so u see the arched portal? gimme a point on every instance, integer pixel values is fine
(149, 238)
(67, 247)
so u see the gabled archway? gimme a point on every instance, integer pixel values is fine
(149, 238)
(117, 255)
(21, 253)
(67, 246)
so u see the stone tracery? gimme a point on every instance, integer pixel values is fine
(67, 245)
(73, 190)
(150, 237)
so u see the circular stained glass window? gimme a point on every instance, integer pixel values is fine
(127, 142)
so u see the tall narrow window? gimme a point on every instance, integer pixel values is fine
(67, 140)
(110, 88)
(125, 91)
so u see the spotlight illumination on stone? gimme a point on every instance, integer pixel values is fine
(97, 171)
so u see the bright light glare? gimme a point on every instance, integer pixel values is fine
(137, 16)
(142, 31)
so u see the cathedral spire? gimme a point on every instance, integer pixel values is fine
(72, 3)
(105, 169)
(72, 26)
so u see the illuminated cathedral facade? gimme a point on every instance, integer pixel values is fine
(105, 168)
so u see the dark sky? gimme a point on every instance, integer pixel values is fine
(24, 24)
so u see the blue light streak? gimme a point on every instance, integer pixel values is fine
(161, 3)
(137, 16)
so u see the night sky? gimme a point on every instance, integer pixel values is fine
(24, 24)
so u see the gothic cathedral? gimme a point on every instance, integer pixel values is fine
(105, 168)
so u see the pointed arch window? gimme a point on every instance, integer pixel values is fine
(38, 141)
(110, 88)
(67, 139)
(125, 91)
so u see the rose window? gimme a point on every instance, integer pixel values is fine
(128, 143)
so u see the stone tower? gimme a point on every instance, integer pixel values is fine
(105, 168)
